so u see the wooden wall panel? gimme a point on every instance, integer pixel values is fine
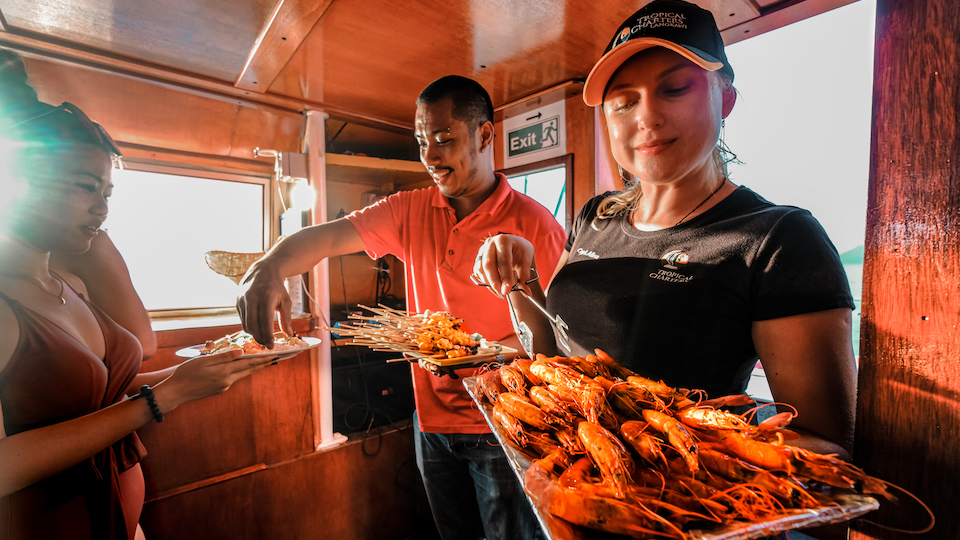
(607, 170)
(140, 113)
(360, 491)
(260, 420)
(908, 413)
(581, 139)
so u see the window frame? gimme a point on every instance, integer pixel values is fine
(205, 316)
(547, 164)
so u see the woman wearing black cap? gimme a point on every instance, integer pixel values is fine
(685, 276)
(69, 454)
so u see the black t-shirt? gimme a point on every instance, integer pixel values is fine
(677, 304)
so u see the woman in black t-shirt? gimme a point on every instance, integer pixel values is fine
(685, 276)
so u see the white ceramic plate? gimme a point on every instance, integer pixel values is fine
(197, 350)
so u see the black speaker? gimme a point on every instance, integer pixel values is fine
(367, 391)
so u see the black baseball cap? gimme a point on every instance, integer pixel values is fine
(683, 27)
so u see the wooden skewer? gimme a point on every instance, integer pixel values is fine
(392, 330)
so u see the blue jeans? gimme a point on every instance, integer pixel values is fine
(472, 491)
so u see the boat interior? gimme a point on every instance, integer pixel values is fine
(285, 92)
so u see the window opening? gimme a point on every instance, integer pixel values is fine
(163, 220)
(802, 125)
(546, 182)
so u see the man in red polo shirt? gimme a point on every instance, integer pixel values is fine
(437, 232)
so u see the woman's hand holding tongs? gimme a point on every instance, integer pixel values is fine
(505, 263)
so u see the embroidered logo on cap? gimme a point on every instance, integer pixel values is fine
(650, 22)
(657, 20)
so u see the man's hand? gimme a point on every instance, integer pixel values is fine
(262, 295)
(262, 291)
(438, 370)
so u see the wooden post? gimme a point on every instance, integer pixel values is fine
(908, 417)
(321, 371)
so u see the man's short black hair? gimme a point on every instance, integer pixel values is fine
(471, 103)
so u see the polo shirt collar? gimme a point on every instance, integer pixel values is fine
(488, 206)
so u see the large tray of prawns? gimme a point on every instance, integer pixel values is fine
(602, 452)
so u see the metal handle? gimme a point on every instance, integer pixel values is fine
(536, 304)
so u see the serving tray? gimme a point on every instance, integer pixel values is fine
(848, 505)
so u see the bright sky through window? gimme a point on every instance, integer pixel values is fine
(801, 123)
(163, 224)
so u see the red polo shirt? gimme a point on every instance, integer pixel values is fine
(420, 228)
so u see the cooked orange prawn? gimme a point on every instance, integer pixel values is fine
(512, 426)
(523, 364)
(736, 470)
(677, 435)
(710, 418)
(558, 373)
(625, 399)
(833, 471)
(489, 384)
(585, 508)
(613, 367)
(675, 398)
(550, 403)
(569, 440)
(512, 378)
(646, 445)
(733, 400)
(608, 454)
(571, 384)
(772, 457)
(714, 421)
(588, 365)
(527, 411)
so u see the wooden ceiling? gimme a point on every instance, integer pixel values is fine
(362, 61)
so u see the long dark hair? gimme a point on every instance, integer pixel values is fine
(33, 125)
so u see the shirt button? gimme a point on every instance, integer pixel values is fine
(456, 230)
(450, 252)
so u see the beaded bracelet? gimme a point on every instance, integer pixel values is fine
(147, 392)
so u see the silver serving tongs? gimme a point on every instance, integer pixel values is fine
(555, 320)
(523, 331)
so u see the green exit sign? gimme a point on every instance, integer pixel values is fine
(535, 137)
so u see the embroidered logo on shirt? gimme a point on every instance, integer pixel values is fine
(585, 253)
(672, 260)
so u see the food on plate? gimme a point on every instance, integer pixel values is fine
(615, 451)
(243, 341)
(440, 332)
(432, 335)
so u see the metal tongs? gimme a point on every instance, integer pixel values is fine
(560, 326)
(523, 331)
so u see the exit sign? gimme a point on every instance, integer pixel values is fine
(534, 135)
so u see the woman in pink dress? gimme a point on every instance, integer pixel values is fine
(69, 457)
